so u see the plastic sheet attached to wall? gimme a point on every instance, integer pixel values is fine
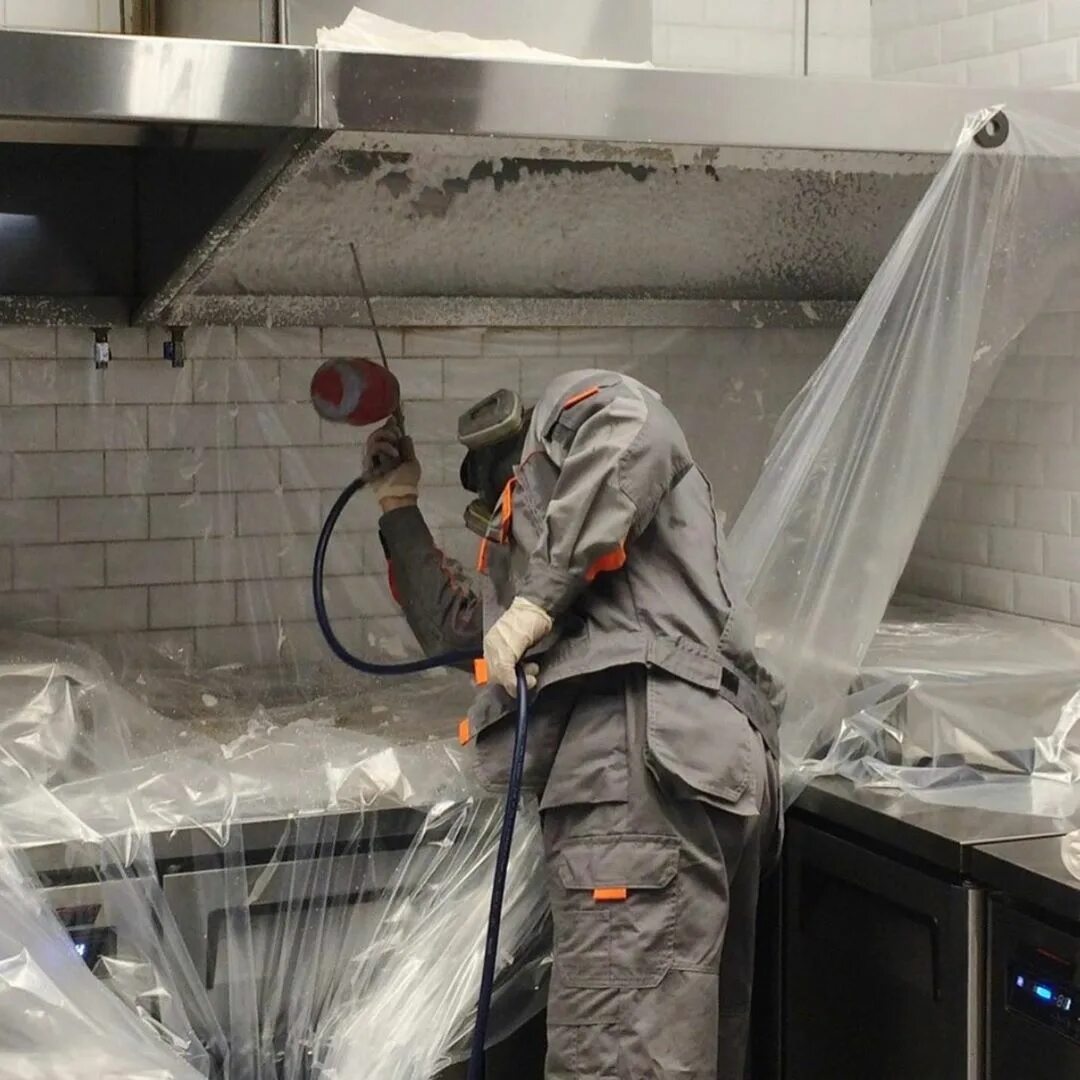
(829, 527)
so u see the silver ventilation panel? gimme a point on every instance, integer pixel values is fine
(226, 182)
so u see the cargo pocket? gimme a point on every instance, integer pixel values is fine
(698, 745)
(614, 906)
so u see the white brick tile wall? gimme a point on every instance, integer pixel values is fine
(962, 39)
(356, 342)
(971, 461)
(238, 558)
(1030, 512)
(1063, 557)
(1052, 64)
(1044, 422)
(286, 342)
(42, 475)
(989, 504)
(964, 543)
(987, 587)
(679, 11)
(199, 425)
(29, 521)
(31, 610)
(52, 14)
(59, 566)
(236, 470)
(1041, 597)
(27, 341)
(28, 428)
(68, 381)
(103, 518)
(1019, 25)
(174, 606)
(1064, 17)
(125, 342)
(254, 380)
(278, 513)
(82, 610)
(197, 503)
(149, 562)
(101, 427)
(917, 47)
(210, 341)
(995, 42)
(1003, 70)
(1016, 465)
(1044, 510)
(159, 472)
(1016, 549)
(176, 516)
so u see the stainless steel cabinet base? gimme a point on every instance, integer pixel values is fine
(882, 966)
(1033, 996)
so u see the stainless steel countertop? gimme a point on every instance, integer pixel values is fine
(943, 836)
(1031, 871)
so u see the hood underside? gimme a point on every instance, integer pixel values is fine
(229, 187)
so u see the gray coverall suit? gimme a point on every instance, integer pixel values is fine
(652, 744)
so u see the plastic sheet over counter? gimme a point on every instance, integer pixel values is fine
(962, 707)
(256, 907)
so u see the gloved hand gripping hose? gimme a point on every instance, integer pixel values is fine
(517, 765)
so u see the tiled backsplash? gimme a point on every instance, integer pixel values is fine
(764, 37)
(1004, 530)
(101, 16)
(185, 504)
(978, 42)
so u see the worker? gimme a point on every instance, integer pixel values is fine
(653, 731)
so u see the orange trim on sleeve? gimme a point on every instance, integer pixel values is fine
(578, 398)
(607, 896)
(480, 672)
(607, 564)
(482, 556)
(506, 508)
(463, 732)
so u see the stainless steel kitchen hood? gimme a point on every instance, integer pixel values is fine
(474, 190)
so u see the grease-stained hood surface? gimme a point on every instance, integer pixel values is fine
(223, 183)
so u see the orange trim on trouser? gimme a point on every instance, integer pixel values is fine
(577, 399)
(609, 895)
(607, 564)
(480, 672)
(463, 732)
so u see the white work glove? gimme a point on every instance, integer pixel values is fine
(390, 464)
(519, 628)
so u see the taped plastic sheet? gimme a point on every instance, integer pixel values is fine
(830, 525)
(257, 907)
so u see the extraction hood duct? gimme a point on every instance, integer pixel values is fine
(219, 182)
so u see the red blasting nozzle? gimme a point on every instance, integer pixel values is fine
(356, 392)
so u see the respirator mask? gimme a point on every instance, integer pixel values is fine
(493, 434)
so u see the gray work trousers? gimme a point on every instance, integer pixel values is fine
(654, 902)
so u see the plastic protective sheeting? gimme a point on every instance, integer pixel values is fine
(829, 527)
(283, 871)
(305, 899)
(965, 708)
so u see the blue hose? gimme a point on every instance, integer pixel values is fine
(517, 765)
